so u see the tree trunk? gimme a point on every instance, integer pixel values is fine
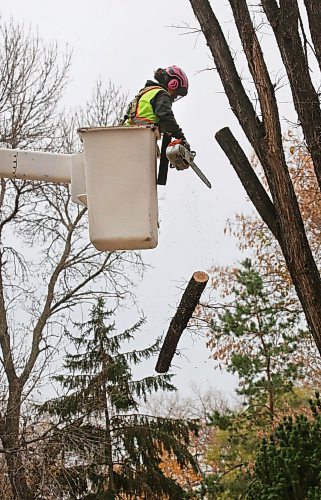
(282, 214)
(179, 322)
(108, 447)
(313, 9)
(285, 23)
(10, 440)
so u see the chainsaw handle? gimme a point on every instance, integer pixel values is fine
(182, 141)
(176, 141)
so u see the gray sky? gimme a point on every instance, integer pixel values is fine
(125, 41)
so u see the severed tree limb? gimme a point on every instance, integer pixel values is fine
(249, 179)
(179, 322)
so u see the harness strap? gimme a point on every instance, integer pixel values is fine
(133, 107)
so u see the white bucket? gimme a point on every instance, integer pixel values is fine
(120, 172)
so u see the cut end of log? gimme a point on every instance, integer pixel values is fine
(184, 312)
(200, 277)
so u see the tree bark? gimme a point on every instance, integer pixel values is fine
(313, 8)
(249, 179)
(284, 21)
(184, 312)
(108, 447)
(10, 440)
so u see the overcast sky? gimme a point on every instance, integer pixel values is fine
(125, 41)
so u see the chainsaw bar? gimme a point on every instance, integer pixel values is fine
(199, 172)
(181, 158)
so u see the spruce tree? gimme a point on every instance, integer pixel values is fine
(106, 448)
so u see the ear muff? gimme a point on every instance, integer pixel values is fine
(173, 84)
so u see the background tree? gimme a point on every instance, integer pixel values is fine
(257, 336)
(260, 340)
(256, 240)
(48, 268)
(32, 81)
(201, 404)
(288, 463)
(254, 236)
(106, 448)
(262, 128)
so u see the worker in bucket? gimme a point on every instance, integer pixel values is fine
(153, 106)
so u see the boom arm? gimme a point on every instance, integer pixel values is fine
(35, 165)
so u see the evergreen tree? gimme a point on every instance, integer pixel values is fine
(106, 449)
(258, 338)
(288, 465)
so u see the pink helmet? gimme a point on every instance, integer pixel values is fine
(178, 80)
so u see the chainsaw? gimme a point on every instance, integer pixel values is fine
(181, 158)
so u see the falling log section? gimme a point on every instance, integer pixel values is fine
(184, 312)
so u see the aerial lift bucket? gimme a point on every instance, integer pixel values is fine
(121, 190)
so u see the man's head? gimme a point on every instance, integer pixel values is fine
(174, 79)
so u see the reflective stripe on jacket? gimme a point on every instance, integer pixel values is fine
(141, 110)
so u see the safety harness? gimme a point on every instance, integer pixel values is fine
(133, 117)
